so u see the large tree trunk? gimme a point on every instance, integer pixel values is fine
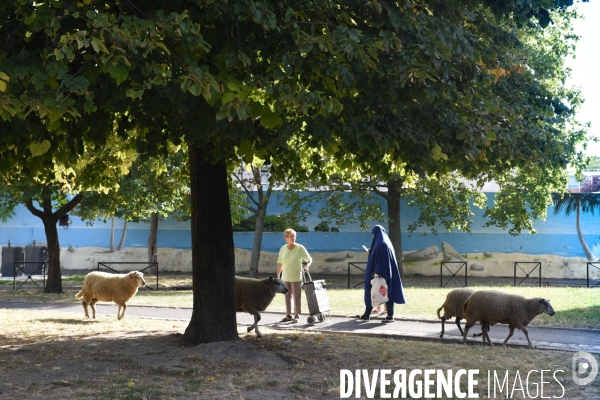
(589, 254)
(393, 212)
(50, 219)
(152, 251)
(213, 256)
(54, 282)
(123, 236)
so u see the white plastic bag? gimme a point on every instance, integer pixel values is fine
(379, 291)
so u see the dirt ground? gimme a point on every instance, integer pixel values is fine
(136, 362)
(156, 365)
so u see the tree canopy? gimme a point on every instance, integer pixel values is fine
(418, 84)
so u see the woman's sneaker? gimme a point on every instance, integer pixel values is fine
(388, 319)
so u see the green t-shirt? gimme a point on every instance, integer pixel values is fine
(291, 262)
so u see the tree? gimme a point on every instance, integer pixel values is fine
(52, 189)
(154, 188)
(222, 75)
(585, 201)
(442, 200)
(250, 179)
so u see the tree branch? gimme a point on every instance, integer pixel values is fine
(34, 211)
(68, 207)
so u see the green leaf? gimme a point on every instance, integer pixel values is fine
(37, 149)
(134, 94)
(270, 119)
(2, 86)
(227, 97)
(222, 114)
(4, 77)
(98, 45)
(119, 73)
(437, 153)
(196, 89)
(306, 47)
(233, 86)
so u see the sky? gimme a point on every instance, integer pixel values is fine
(585, 68)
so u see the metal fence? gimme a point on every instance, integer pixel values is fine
(23, 267)
(148, 266)
(594, 265)
(453, 276)
(535, 264)
(354, 264)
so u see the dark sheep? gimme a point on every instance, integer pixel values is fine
(255, 295)
(492, 306)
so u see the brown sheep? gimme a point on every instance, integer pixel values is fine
(492, 306)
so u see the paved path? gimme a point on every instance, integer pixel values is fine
(544, 338)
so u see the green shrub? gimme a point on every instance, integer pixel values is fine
(322, 227)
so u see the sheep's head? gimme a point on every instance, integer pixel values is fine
(138, 278)
(277, 285)
(546, 307)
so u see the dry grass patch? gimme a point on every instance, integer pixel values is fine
(55, 356)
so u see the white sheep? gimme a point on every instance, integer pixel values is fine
(492, 306)
(255, 295)
(102, 286)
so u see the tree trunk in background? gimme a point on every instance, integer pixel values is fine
(589, 254)
(257, 242)
(261, 212)
(50, 219)
(393, 212)
(213, 255)
(112, 236)
(123, 235)
(152, 251)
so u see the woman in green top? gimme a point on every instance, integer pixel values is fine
(289, 262)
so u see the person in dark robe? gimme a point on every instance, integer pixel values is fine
(382, 262)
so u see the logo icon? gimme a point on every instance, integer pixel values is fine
(584, 363)
(383, 291)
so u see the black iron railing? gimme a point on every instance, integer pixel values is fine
(148, 266)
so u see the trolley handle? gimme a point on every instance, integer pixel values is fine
(304, 280)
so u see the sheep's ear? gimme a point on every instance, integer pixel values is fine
(270, 279)
(542, 301)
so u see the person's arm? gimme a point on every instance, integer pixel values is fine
(279, 268)
(308, 259)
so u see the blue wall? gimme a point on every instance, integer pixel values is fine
(556, 235)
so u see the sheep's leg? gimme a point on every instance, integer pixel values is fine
(443, 321)
(123, 313)
(485, 327)
(531, 345)
(93, 305)
(468, 326)
(255, 325)
(510, 333)
(85, 308)
(484, 331)
(457, 321)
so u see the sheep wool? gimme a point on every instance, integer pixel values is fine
(102, 286)
(493, 306)
(255, 295)
(454, 306)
